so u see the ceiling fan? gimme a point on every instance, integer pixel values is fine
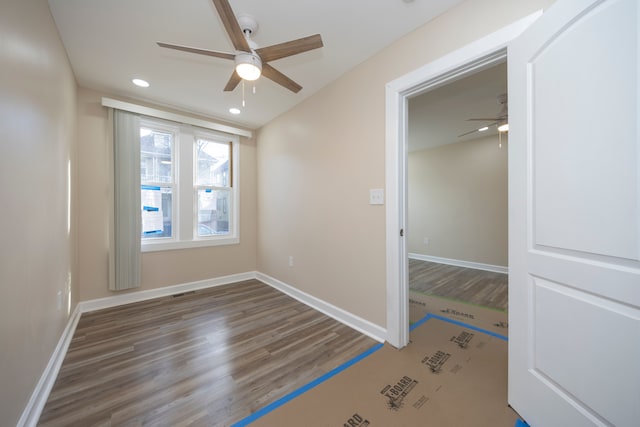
(501, 120)
(251, 61)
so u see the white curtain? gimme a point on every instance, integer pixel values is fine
(125, 248)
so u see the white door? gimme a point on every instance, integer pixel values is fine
(574, 200)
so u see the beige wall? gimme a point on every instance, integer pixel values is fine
(304, 186)
(159, 269)
(317, 162)
(458, 199)
(37, 253)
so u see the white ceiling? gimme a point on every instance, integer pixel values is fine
(437, 117)
(109, 42)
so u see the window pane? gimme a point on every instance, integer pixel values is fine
(213, 212)
(212, 159)
(156, 211)
(155, 156)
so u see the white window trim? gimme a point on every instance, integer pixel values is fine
(215, 130)
(230, 133)
(184, 214)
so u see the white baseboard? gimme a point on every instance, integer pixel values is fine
(128, 298)
(461, 263)
(32, 411)
(359, 324)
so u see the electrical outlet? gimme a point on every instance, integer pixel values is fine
(376, 196)
(290, 260)
(426, 241)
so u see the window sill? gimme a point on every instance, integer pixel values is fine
(187, 244)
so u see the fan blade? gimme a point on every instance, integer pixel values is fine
(233, 82)
(198, 51)
(468, 133)
(293, 47)
(271, 73)
(486, 119)
(476, 130)
(231, 25)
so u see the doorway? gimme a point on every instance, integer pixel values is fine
(479, 55)
(457, 231)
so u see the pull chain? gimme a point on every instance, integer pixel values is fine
(243, 93)
(500, 138)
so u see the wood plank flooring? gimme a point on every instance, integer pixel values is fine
(478, 287)
(206, 358)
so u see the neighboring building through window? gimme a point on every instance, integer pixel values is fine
(157, 179)
(213, 186)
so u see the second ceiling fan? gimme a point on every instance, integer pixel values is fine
(251, 61)
(501, 121)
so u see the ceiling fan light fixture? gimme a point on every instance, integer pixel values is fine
(503, 127)
(248, 66)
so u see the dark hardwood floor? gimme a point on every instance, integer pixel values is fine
(206, 358)
(479, 287)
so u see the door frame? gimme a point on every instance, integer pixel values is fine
(476, 56)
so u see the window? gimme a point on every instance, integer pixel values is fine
(188, 191)
(157, 181)
(212, 186)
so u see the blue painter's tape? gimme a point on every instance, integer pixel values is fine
(272, 406)
(150, 208)
(150, 187)
(520, 423)
(148, 233)
(264, 411)
(466, 325)
(420, 322)
(456, 322)
(208, 190)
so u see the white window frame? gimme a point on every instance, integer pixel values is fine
(200, 134)
(184, 215)
(174, 130)
(231, 132)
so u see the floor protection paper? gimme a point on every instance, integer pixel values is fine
(451, 374)
(486, 318)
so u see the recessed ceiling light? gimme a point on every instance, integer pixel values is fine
(234, 111)
(483, 129)
(140, 82)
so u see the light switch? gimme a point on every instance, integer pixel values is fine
(376, 196)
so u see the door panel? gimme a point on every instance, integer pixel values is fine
(574, 225)
(586, 324)
(598, 138)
